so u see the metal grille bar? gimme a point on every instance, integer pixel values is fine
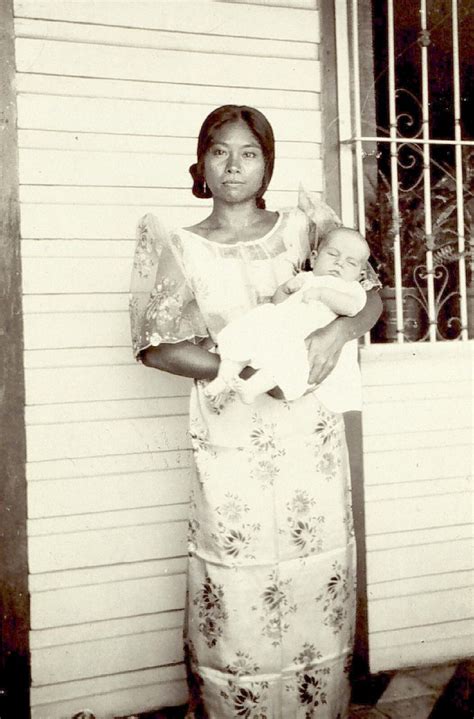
(394, 173)
(459, 172)
(407, 140)
(359, 151)
(424, 43)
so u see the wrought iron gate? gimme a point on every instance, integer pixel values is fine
(416, 203)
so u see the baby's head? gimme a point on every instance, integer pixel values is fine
(342, 253)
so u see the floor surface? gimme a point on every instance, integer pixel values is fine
(438, 692)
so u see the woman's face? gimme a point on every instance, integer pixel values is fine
(234, 164)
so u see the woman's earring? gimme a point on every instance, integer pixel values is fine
(204, 186)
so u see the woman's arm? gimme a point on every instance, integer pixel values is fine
(324, 345)
(183, 358)
(363, 321)
(187, 360)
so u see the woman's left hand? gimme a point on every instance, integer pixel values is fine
(325, 345)
(324, 348)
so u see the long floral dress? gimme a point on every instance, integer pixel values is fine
(271, 581)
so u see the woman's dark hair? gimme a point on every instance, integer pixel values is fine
(258, 126)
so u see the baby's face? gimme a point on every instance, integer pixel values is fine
(342, 255)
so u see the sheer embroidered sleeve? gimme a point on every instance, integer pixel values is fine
(162, 305)
(320, 217)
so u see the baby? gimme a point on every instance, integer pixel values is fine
(271, 337)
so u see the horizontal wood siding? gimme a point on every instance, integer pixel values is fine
(418, 467)
(110, 100)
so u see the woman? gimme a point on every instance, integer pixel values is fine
(271, 599)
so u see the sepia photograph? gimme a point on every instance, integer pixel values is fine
(194, 525)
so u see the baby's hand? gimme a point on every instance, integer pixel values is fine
(281, 294)
(288, 288)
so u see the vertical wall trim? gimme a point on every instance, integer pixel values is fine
(329, 107)
(368, 122)
(353, 423)
(14, 617)
(332, 66)
(344, 75)
(366, 87)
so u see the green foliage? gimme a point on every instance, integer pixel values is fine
(382, 224)
(445, 222)
(383, 221)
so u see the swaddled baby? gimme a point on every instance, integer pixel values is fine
(271, 337)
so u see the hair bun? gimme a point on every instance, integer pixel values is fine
(199, 188)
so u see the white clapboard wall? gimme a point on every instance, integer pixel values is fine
(418, 466)
(111, 95)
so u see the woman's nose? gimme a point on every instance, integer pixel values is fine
(233, 164)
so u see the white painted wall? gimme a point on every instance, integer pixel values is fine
(111, 95)
(418, 464)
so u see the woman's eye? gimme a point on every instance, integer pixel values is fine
(250, 154)
(218, 152)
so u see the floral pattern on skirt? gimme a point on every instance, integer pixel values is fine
(271, 605)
